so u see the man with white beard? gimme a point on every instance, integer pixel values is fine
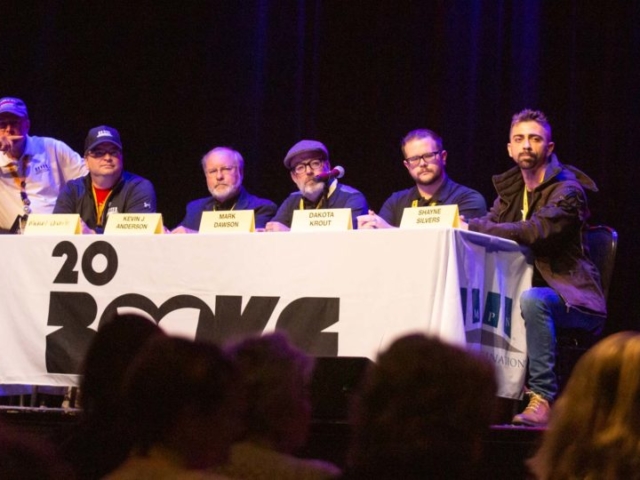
(305, 161)
(224, 170)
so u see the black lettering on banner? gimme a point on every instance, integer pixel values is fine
(227, 322)
(140, 302)
(305, 319)
(67, 274)
(491, 314)
(475, 305)
(66, 347)
(230, 320)
(508, 309)
(93, 250)
(463, 299)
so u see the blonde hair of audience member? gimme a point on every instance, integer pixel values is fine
(276, 376)
(594, 430)
(421, 411)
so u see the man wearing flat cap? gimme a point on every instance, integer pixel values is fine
(306, 160)
(32, 169)
(107, 188)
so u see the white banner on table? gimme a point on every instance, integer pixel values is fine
(491, 280)
(336, 293)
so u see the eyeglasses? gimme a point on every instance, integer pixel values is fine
(223, 170)
(427, 157)
(301, 168)
(101, 153)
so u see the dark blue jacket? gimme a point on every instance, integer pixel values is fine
(263, 209)
(132, 194)
(470, 203)
(343, 197)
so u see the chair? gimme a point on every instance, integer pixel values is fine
(601, 243)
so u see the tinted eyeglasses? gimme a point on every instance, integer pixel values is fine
(99, 153)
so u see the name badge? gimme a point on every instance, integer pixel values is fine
(425, 217)
(134, 224)
(53, 224)
(322, 219)
(227, 221)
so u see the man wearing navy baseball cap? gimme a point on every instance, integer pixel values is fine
(107, 188)
(318, 187)
(32, 169)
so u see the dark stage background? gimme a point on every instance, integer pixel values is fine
(259, 75)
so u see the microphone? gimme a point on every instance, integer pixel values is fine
(335, 172)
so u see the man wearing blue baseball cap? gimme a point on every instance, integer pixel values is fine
(32, 169)
(107, 188)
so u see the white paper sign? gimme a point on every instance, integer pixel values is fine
(335, 219)
(133, 223)
(428, 217)
(53, 224)
(227, 221)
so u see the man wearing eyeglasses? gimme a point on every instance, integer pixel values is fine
(32, 169)
(425, 160)
(224, 170)
(306, 160)
(107, 188)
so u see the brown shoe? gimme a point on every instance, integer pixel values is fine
(536, 414)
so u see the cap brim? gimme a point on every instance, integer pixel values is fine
(287, 161)
(102, 140)
(13, 112)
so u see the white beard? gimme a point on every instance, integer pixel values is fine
(312, 190)
(221, 194)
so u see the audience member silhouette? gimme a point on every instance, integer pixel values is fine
(100, 441)
(276, 376)
(26, 456)
(185, 407)
(594, 430)
(421, 412)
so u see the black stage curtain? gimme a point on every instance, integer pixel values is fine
(258, 75)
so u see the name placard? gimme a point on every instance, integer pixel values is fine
(133, 223)
(54, 223)
(227, 222)
(425, 217)
(323, 219)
